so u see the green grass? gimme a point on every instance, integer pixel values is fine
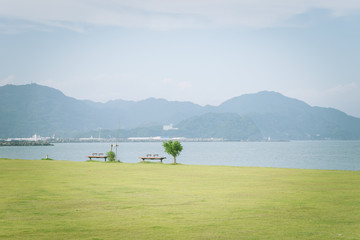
(90, 200)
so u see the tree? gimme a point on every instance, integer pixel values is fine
(111, 156)
(173, 148)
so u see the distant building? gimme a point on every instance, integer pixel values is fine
(158, 138)
(169, 127)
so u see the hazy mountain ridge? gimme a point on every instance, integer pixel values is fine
(272, 112)
(282, 117)
(262, 103)
(30, 109)
(229, 126)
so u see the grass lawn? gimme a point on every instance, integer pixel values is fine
(89, 200)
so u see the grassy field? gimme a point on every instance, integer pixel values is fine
(88, 200)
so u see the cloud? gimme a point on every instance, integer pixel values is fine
(349, 92)
(351, 89)
(8, 80)
(182, 85)
(345, 97)
(167, 81)
(166, 14)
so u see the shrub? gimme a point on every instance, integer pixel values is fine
(111, 156)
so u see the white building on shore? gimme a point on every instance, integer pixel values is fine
(169, 127)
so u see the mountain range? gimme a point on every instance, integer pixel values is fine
(32, 108)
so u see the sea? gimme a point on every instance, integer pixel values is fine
(330, 155)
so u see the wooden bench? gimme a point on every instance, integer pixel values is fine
(150, 157)
(97, 155)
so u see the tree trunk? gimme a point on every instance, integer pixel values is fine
(174, 160)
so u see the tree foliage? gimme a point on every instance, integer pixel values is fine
(173, 148)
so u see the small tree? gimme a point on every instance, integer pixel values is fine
(173, 148)
(111, 156)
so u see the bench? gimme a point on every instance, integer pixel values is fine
(97, 155)
(150, 157)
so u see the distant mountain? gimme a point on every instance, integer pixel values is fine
(29, 109)
(152, 111)
(229, 126)
(32, 108)
(263, 103)
(280, 117)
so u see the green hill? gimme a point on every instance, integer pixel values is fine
(281, 117)
(32, 108)
(230, 126)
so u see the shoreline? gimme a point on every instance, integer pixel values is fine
(178, 164)
(24, 143)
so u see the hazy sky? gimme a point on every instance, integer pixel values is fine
(204, 51)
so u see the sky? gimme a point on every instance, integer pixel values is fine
(201, 51)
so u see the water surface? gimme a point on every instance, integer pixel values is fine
(340, 155)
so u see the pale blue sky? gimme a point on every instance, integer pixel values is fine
(200, 51)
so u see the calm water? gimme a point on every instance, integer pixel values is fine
(341, 155)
